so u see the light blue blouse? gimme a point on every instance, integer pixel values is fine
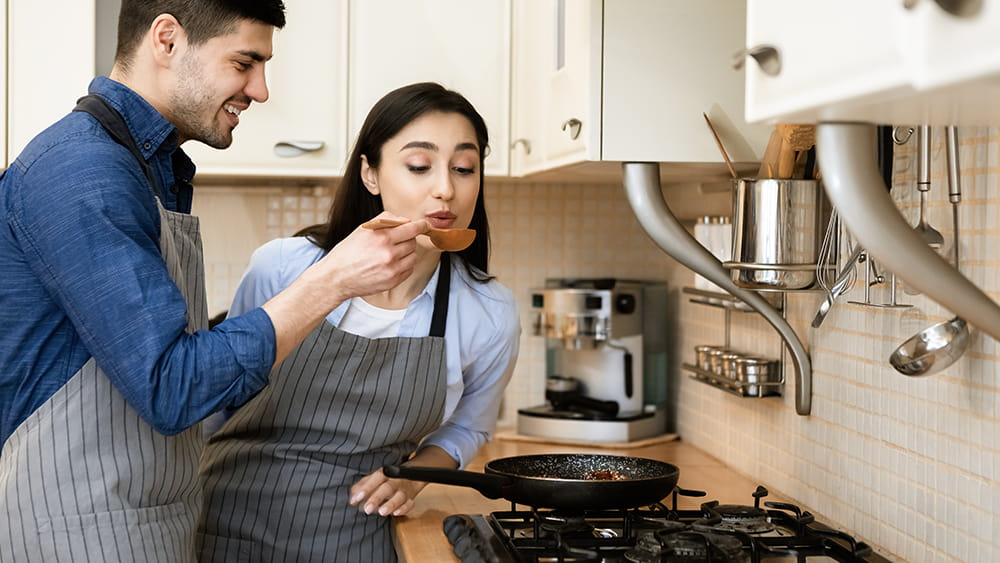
(482, 337)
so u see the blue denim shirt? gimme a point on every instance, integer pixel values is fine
(81, 276)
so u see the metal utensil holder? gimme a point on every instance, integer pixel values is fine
(872, 277)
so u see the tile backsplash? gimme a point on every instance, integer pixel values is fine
(910, 465)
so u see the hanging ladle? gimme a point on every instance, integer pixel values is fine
(938, 346)
(449, 240)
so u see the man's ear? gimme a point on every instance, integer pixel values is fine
(165, 36)
(369, 176)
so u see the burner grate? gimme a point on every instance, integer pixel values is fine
(718, 533)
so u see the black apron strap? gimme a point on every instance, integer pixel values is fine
(114, 124)
(440, 316)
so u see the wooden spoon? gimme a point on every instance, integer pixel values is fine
(449, 240)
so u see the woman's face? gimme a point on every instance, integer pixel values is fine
(429, 170)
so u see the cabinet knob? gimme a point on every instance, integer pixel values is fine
(574, 126)
(959, 8)
(290, 149)
(525, 142)
(767, 57)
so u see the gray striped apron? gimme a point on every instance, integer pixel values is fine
(277, 475)
(84, 478)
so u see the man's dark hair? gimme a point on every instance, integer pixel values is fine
(202, 19)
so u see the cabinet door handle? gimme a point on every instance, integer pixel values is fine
(525, 142)
(289, 149)
(767, 57)
(958, 8)
(574, 125)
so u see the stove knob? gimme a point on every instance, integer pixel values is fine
(466, 541)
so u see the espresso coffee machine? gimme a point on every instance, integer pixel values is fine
(606, 368)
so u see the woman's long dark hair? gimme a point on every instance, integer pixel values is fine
(354, 204)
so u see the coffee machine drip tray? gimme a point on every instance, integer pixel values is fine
(546, 422)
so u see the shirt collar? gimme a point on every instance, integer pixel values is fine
(148, 126)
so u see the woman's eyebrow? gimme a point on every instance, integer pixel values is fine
(432, 147)
(419, 145)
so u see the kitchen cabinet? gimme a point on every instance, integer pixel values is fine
(300, 130)
(627, 80)
(462, 45)
(334, 60)
(3, 84)
(902, 62)
(44, 74)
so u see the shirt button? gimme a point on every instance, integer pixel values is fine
(147, 145)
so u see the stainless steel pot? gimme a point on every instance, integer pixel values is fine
(777, 230)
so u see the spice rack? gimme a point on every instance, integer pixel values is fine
(746, 389)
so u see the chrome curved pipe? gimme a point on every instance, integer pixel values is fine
(846, 152)
(642, 186)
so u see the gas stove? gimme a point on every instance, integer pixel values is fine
(717, 533)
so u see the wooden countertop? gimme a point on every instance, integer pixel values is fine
(419, 536)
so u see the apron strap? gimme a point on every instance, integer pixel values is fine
(114, 124)
(441, 296)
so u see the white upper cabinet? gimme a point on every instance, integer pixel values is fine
(301, 129)
(895, 61)
(46, 71)
(462, 45)
(627, 80)
(3, 83)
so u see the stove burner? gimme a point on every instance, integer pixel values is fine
(739, 518)
(563, 523)
(686, 546)
(715, 533)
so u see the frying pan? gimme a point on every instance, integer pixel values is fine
(561, 481)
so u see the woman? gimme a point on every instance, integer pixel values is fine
(371, 386)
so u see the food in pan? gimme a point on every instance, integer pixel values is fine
(604, 475)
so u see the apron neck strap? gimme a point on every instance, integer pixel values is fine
(441, 296)
(114, 124)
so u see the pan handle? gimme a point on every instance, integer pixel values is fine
(491, 486)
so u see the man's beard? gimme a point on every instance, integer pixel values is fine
(191, 100)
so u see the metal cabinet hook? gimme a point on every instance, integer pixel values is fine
(522, 141)
(767, 56)
(957, 8)
(574, 125)
(895, 135)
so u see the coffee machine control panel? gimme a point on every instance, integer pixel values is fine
(586, 317)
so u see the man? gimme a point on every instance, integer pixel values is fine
(105, 366)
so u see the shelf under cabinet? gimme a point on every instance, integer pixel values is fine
(741, 389)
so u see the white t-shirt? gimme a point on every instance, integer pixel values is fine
(364, 319)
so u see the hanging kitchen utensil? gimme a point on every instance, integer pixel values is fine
(931, 235)
(562, 481)
(937, 347)
(449, 240)
(839, 286)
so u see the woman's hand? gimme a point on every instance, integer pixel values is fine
(376, 492)
(394, 497)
